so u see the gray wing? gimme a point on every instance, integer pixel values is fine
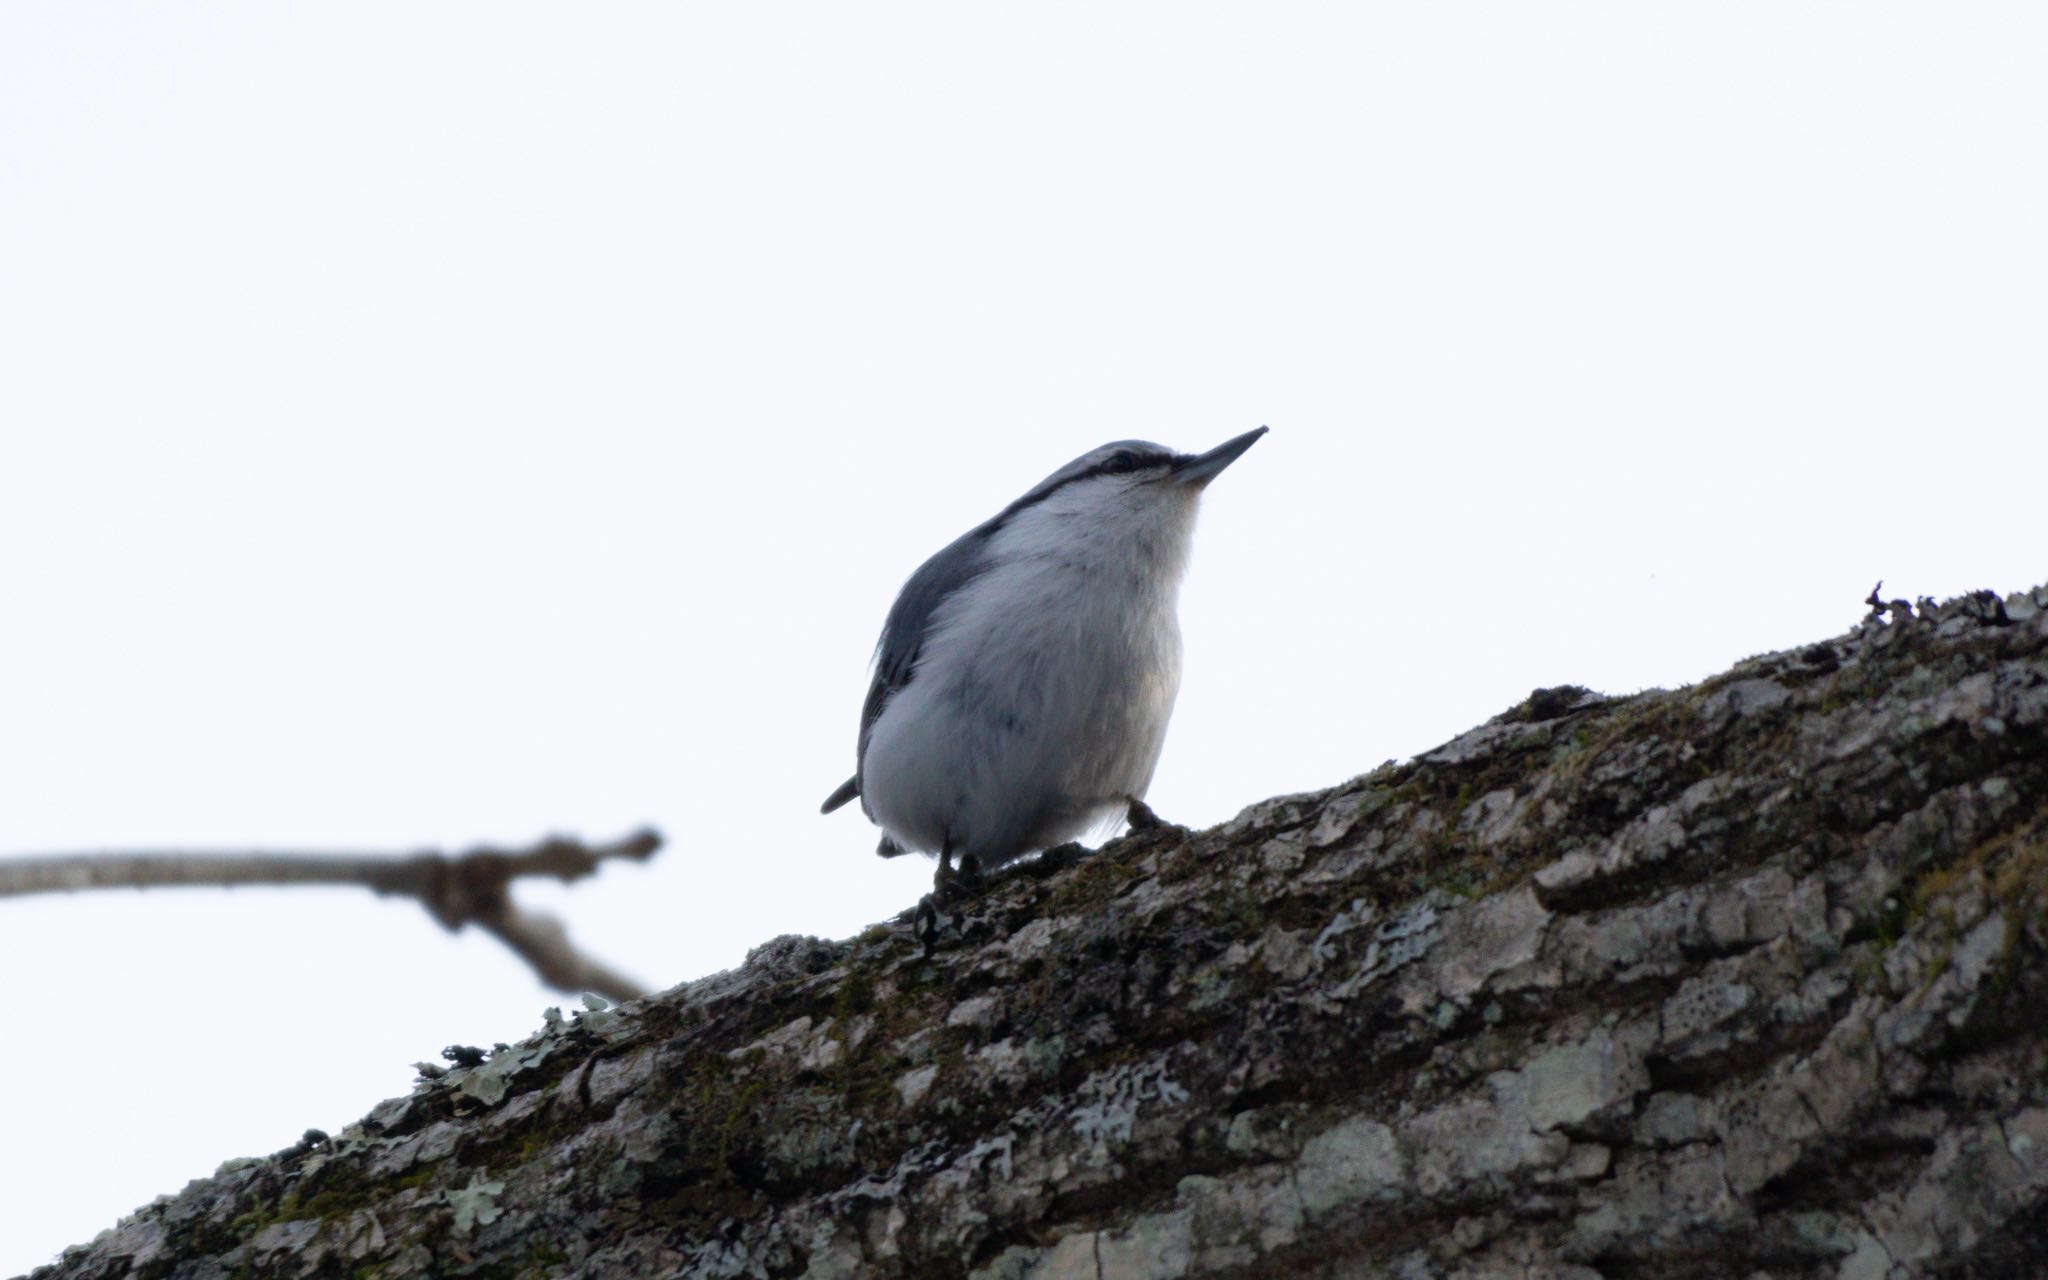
(903, 635)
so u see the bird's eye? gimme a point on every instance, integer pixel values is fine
(1119, 462)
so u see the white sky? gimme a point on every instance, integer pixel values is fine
(430, 424)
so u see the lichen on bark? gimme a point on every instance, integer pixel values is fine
(1739, 979)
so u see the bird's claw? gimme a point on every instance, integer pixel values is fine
(948, 883)
(951, 881)
(924, 924)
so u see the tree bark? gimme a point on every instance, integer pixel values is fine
(1743, 979)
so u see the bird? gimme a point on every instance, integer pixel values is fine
(1026, 672)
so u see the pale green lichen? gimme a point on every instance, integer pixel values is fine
(489, 1081)
(476, 1205)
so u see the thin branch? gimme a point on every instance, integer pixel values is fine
(469, 887)
(542, 942)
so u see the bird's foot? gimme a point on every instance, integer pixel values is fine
(949, 884)
(964, 881)
(925, 923)
(969, 876)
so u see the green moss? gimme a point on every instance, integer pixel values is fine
(739, 1116)
(1866, 967)
(1238, 907)
(1658, 715)
(1090, 883)
(543, 1255)
(2022, 876)
(1894, 918)
(1464, 878)
(854, 996)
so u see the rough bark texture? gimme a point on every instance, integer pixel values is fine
(1742, 979)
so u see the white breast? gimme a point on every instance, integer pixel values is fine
(1041, 698)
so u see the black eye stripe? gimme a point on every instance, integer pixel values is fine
(1122, 457)
(1124, 461)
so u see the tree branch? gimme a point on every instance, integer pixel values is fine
(1747, 978)
(456, 890)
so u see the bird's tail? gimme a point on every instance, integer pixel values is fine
(847, 791)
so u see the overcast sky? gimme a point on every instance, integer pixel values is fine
(425, 424)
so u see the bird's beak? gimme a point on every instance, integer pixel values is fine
(1198, 469)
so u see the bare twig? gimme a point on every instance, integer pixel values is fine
(473, 886)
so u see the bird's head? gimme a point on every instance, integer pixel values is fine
(1135, 474)
(1127, 504)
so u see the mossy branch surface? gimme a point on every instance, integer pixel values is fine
(1740, 979)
